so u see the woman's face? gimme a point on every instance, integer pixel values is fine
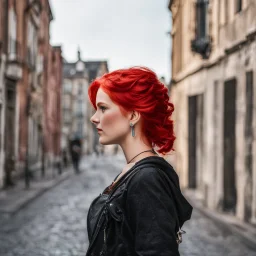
(108, 117)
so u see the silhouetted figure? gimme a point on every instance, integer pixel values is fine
(75, 151)
(65, 157)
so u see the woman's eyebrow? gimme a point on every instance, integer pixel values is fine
(101, 103)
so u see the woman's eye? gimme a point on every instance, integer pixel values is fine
(102, 108)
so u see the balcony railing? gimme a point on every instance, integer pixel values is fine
(202, 46)
(13, 49)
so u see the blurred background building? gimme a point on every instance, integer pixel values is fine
(45, 115)
(213, 88)
(43, 98)
(31, 78)
(76, 107)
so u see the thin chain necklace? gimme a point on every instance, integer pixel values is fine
(115, 181)
(151, 150)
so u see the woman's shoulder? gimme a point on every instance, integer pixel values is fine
(146, 176)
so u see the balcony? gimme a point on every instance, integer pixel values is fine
(14, 69)
(202, 46)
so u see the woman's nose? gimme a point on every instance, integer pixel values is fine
(94, 119)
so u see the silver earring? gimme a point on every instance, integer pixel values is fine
(132, 129)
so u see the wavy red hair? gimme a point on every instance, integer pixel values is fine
(139, 89)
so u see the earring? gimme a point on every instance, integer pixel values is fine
(132, 129)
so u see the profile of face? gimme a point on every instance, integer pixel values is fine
(109, 118)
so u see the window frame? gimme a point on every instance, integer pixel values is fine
(238, 6)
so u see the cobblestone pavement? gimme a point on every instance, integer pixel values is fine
(55, 223)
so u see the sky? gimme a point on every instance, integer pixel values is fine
(125, 33)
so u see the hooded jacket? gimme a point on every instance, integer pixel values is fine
(142, 215)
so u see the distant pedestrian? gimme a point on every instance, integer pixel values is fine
(65, 157)
(75, 152)
(143, 210)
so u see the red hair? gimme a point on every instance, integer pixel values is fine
(139, 89)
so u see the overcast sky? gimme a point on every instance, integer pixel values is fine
(126, 33)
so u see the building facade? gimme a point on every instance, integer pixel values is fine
(2, 87)
(76, 108)
(53, 112)
(27, 63)
(40, 112)
(10, 75)
(29, 90)
(213, 88)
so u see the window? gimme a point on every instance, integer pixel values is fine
(80, 128)
(201, 44)
(40, 63)
(12, 46)
(66, 116)
(201, 18)
(79, 108)
(31, 44)
(238, 7)
(80, 89)
(67, 87)
(66, 102)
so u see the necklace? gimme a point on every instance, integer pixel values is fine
(151, 150)
(115, 181)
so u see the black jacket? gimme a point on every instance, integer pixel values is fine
(142, 215)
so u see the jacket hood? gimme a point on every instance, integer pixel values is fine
(184, 209)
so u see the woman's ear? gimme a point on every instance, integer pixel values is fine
(134, 117)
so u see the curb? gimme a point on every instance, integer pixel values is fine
(31, 195)
(245, 232)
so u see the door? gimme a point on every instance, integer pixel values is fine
(192, 135)
(10, 131)
(248, 134)
(229, 202)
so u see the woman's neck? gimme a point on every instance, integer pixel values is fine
(137, 153)
(135, 148)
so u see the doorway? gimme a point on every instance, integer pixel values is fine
(229, 146)
(10, 131)
(195, 140)
(248, 135)
(192, 110)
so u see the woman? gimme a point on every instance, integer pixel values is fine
(142, 211)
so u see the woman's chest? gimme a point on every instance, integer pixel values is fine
(105, 206)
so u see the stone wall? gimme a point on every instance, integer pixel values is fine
(233, 55)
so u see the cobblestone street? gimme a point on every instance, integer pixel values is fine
(55, 223)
